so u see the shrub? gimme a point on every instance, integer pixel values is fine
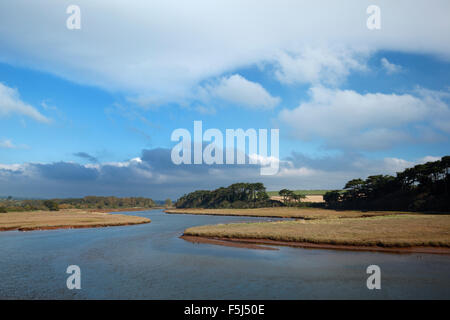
(51, 205)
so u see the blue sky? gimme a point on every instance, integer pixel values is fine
(91, 111)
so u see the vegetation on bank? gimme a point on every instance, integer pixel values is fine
(90, 202)
(354, 220)
(168, 203)
(406, 230)
(69, 218)
(425, 187)
(319, 192)
(242, 196)
(285, 212)
(238, 195)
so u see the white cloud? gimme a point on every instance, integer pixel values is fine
(240, 91)
(429, 159)
(10, 103)
(393, 165)
(347, 119)
(12, 167)
(164, 49)
(388, 165)
(319, 65)
(205, 110)
(7, 144)
(298, 172)
(390, 68)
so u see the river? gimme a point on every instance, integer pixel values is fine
(150, 261)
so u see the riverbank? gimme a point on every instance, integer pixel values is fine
(64, 219)
(288, 212)
(264, 244)
(132, 209)
(391, 233)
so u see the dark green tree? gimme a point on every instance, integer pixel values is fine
(51, 205)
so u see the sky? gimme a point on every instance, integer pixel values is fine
(91, 111)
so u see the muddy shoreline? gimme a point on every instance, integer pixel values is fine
(237, 215)
(259, 244)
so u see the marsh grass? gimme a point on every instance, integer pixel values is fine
(70, 218)
(403, 230)
(287, 212)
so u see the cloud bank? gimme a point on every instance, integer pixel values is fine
(345, 119)
(154, 175)
(161, 50)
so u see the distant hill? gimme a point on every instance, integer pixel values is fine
(89, 202)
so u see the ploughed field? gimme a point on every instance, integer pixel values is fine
(308, 198)
(320, 192)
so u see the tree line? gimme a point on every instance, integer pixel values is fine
(290, 198)
(89, 202)
(237, 195)
(424, 187)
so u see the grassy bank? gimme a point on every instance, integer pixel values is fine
(285, 212)
(71, 218)
(386, 231)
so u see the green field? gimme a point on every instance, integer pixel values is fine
(304, 192)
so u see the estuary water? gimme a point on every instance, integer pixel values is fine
(150, 261)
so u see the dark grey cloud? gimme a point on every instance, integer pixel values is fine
(154, 175)
(86, 156)
(159, 159)
(66, 171)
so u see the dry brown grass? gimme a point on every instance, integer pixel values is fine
(384, 231)
(286, 212)
(308, 198)
(70, 218)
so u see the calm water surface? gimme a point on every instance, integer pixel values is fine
(149, 261)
